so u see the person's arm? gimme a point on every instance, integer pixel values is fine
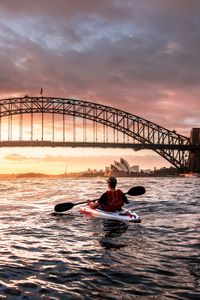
(102, 200)
(124, 198)
(93, 204)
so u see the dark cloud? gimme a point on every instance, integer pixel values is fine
(139, 56)
(112, 9)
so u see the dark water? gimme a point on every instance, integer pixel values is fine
(44, 256)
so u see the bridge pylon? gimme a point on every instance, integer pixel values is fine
(194, 155)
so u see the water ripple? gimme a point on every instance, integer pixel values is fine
(48, 256)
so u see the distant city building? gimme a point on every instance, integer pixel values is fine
(147, 171)
(124, 167)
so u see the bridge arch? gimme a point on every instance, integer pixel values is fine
(143, 133)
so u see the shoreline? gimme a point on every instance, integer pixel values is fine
(82, 175)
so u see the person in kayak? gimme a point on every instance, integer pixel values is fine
(112, 200)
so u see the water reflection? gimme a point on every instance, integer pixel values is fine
(113, 230)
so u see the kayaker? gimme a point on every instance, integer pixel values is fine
(112, 200)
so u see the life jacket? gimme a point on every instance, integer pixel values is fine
(114, 201)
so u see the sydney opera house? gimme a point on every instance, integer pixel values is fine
(123, 167)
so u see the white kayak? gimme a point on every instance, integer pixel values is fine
(123, 215)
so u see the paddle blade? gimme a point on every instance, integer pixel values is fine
(63, 207)
(136, 191)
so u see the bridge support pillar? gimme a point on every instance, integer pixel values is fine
(194, 156)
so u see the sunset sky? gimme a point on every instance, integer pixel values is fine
(140, 56)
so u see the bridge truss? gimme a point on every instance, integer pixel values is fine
(77, 123)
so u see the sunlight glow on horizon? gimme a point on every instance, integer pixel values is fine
(57, 160)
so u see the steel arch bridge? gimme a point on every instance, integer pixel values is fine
(100, 126)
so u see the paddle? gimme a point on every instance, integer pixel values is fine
(135, 191)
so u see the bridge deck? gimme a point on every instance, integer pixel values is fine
(135, 146)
